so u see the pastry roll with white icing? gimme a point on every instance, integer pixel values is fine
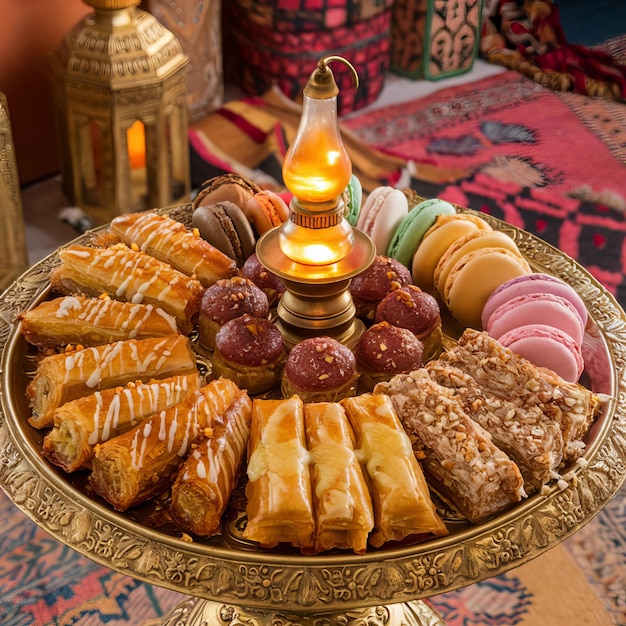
(88, 321)
(128, 275)
(80, 424)
(205, 482)
(63, 377)
(400, 495)
(341, 498)
(142, 462)
(280, 506)
(170, 241)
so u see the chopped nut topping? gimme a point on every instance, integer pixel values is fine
(253, 328)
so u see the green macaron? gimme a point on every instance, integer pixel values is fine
(413, 226)
(352, 197)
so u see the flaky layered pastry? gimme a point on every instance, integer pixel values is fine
(342, 503)
(140, 463)
(280, 506)
(128, 275)
(502, 373)
(87, 321)
(169, 241)
(458, 455)
(400, 495)
(205, 482)
(80, 424)
(63, 377)
(530, 438)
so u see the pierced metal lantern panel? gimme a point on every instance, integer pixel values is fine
(120, 86)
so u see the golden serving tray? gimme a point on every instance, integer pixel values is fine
(222, 575)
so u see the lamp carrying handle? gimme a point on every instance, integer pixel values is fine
(321, 83)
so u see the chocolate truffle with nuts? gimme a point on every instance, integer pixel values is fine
(385, 350)
(249, 351)
(225, 300)
(370, 286)
(320, 369)
(270, 283)
(411, 308)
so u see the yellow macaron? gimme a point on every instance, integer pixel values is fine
(474, 277)
(446, 230)
(471, 241)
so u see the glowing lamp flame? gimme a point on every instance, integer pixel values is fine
(317, 169)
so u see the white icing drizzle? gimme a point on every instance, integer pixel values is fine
(224, 452)
(332, 463)
(200, 466)
(386, 452)
(162, 426)
(146, 400)
(67, 304)
(130, 278)
(112, 417)
(133, 452)
(94, 434)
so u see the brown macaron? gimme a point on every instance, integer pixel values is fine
(225, 226)
(227, 187)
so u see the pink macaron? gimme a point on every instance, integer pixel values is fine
(381, 213)
(533, 283)
(546, 346)
(537, 308)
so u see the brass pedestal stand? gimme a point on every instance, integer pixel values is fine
(204, 613)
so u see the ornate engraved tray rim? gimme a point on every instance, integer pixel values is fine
(275, 579)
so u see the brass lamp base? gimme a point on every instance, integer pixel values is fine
(317, 300)
(197, 612)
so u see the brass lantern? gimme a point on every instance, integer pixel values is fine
(120, 92)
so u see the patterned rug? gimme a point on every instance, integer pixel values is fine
(551, 163)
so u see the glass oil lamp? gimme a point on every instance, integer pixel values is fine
(316, 251)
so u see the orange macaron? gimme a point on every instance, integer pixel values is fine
(266, 210)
